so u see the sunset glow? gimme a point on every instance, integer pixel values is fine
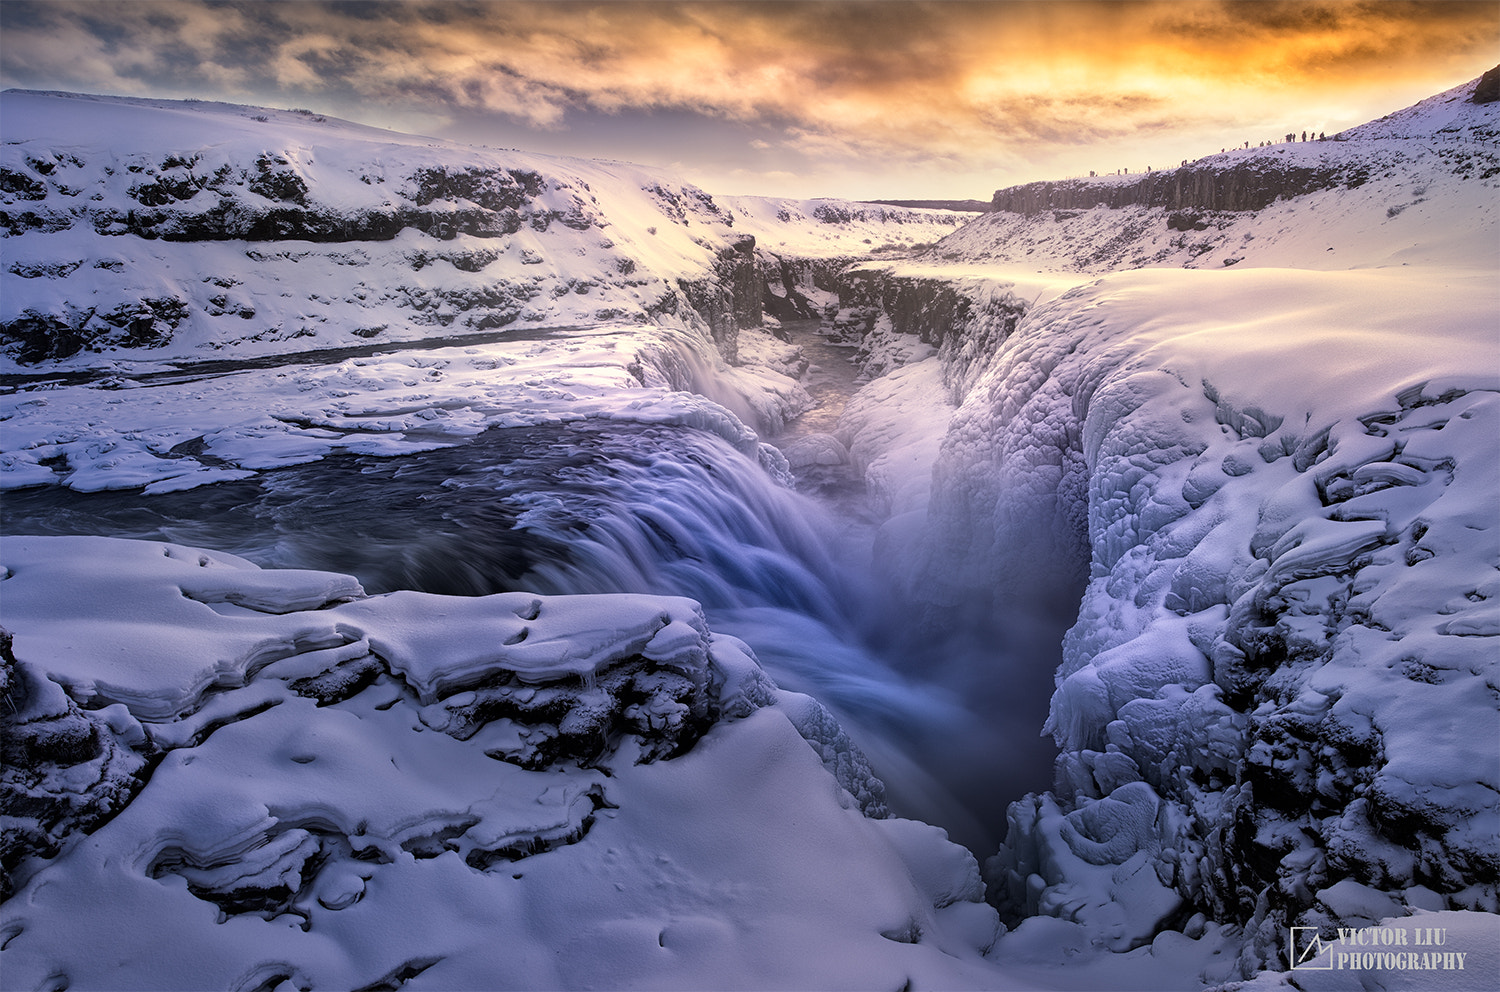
(860, 99)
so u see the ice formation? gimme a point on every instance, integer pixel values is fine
(1278, 702)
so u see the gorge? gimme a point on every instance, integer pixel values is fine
(530, 607)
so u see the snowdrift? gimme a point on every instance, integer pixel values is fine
(304, 784)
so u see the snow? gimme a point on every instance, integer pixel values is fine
(286, 837)
(258, 418)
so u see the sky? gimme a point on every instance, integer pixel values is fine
(863, 100)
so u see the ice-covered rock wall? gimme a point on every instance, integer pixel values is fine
(1278, 703)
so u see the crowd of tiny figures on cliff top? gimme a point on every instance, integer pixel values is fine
(1291, 137)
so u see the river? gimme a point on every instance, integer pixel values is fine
(609, 506)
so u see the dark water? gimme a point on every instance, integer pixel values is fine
(597, 507)
(831, 378)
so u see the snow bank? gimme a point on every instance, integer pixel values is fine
(339, 791)
(163, 430)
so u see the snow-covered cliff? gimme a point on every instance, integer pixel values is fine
(1276, 485)
(1414, 185)
(185, 229)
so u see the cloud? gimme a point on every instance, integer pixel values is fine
(956, 83)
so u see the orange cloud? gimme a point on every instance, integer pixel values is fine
(967, 83)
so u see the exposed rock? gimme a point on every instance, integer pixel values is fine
(1185, 220)
(800, 288)
(64, 770)
(1246, 185)
(964, 327)
(1488, 89)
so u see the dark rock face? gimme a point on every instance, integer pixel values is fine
(739, 269)
(1186, 220)
(786, 278)
(932, 309)
(493, 189)
(36, 337)
(965, 330)
(728, 301)
(271, 201)
(1250, 185)
(582, 724)
(237, 220)
(48, 745)
(1488, 90)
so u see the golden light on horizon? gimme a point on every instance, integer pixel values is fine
(978, 84)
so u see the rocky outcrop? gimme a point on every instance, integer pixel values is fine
(728, 300)
(65, 771)
(932, 309)
(1247, 185)
(1488, 88)
(800, 288)
(273, 200)
(146, 323)
(963, 322)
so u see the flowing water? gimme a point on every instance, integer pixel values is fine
(606, 506)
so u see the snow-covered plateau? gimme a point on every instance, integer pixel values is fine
(434, 567)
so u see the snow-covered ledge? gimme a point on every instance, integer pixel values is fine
(305, 784)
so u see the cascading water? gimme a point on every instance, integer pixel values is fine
(612, 506)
